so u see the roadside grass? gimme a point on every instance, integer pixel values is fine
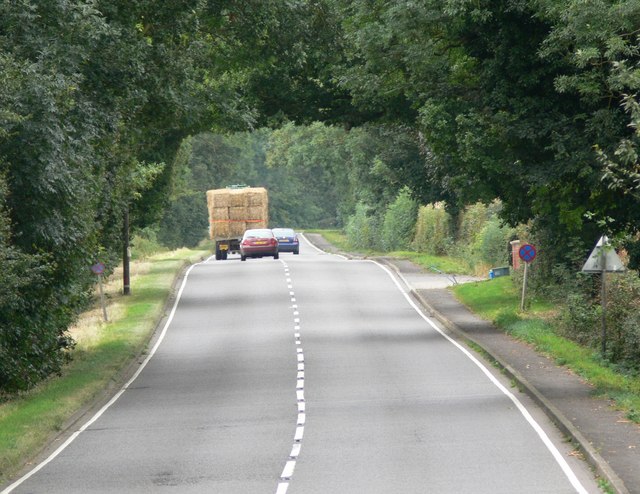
(103, 351)
(448, 265)
(498, 300)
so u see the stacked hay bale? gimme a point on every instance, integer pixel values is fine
(232, 211)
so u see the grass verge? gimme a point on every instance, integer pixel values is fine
(498, 300)
(103, 350)
(450, 265)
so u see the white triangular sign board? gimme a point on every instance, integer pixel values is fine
(603, 255)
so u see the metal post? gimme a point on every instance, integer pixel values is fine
(524, 285)
(126, 278)
(603, 300)
(102, 302)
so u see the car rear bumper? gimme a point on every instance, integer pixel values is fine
(255, 251)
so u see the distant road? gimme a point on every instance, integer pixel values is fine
(311, 374)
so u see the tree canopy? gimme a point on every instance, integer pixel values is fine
(533, 102)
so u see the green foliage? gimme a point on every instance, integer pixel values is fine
(96, 98)
(399, 222)
(581, 317)
(362, 229)
(509, 100)
(32, 344)
(492, 243)
(184, 223)
(432, 230)
(145, 244)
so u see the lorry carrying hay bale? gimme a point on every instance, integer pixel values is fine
(232, 211)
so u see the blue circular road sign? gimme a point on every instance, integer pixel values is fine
(527, 252)
(98, 268)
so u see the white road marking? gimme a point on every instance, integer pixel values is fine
(289, 467)
(295, 450)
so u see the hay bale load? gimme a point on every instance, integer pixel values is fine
(232, 211)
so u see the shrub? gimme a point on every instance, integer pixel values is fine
(579, 319)
(399, 222)
(432, 230)
(471, 222)
(581, 316)
(184, 223)
(362, 228)
(492, 243)
(145, 243)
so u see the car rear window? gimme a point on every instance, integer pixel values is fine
(258, 234)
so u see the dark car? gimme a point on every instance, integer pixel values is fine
(287, 240)
(258, 242)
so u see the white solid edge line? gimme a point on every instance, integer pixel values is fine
(99, 413)
(571, 476)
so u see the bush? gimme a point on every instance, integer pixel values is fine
(399, 222)
(471, 222)
(579, 320)
(432, 231)
(145, 243)
(362, 228)
(33, 340)
(581, 317)
(492, 243)
(184, 223)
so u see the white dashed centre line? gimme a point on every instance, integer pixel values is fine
(290, 464)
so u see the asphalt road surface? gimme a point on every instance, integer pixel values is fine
(309, 374)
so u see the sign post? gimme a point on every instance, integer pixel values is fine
(98, 269)
(527, 253)
(603, 259)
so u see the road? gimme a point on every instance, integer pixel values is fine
(310, 374)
